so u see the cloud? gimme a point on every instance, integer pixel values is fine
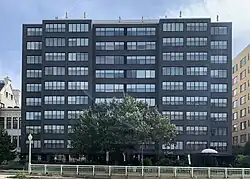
(235, 11)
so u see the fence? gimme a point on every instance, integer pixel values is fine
(150, 171)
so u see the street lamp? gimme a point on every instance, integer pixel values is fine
(142, 154)
(30, 141)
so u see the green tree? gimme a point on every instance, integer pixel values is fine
(118, 126)
(6, 147)
(246, 148)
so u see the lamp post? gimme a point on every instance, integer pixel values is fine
(142, 155)
(30, 141)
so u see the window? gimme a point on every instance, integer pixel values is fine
(243, 87)
(172, 100)
(173, 27)
(54, 71)
(235, 68)
(220, 131)
(196, 71)
(146, 60)
(77, 99)
(196, 101)
(109, 88)
(34, 45)
(219, 88)
(235, 92)
(34, 73)
(33, 101)
(196, 145)
(197, 41)
(78, 42)
(220, 44)
(172, 56)
(243, 74)
(179, 130)
(78, 71)
(219, 30)
(15, 123)
(54, 115)
(173, 115)
(196, 130)
(141, 45)
(54, 56)
(36, 144)
(196, 56)
(33, 87)
(235, 115)
(74, 114)
(172, 71)
(243, 138)
(9, 123)
(78, 56)
(55, 27)
(218, 73)
(243, 112)
(149, 101)
(53, 129)
(109, 45)
(54, 99)
(196, 116)
(109, 60)
(235, 128)
(34, 59)
(243, 62)
(178, 145)
(196, 86)
(219, 59)
(33, 115)
(37, 31)
(234, 81)
(78, 27)
(55, 42)
(54, 85)
(109, 73)
(140, 73)
(33, 129)
(235, 104)
(219, 146)
(77, 85)
(53, 144)
(197, 26)
(70, 129)
(242, 100)
(140, 88)
(172, 85)
(107, 100)
(235, 140)
(216, 102)
(173, 41)
(109, 31)
(141, 31)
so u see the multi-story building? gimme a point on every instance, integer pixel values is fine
(10, 112)
(241, 97)
(181, 65)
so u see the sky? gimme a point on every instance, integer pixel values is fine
(14, 13)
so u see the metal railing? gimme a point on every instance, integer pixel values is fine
(150, 171)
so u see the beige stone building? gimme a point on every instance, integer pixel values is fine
(241, 98)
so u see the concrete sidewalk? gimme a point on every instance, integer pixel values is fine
(5, 176)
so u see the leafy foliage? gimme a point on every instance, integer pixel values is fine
(108, 126)
(246, 148)
(5, 146)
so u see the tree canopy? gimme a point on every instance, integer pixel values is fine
(105, 126)
(5, 146)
